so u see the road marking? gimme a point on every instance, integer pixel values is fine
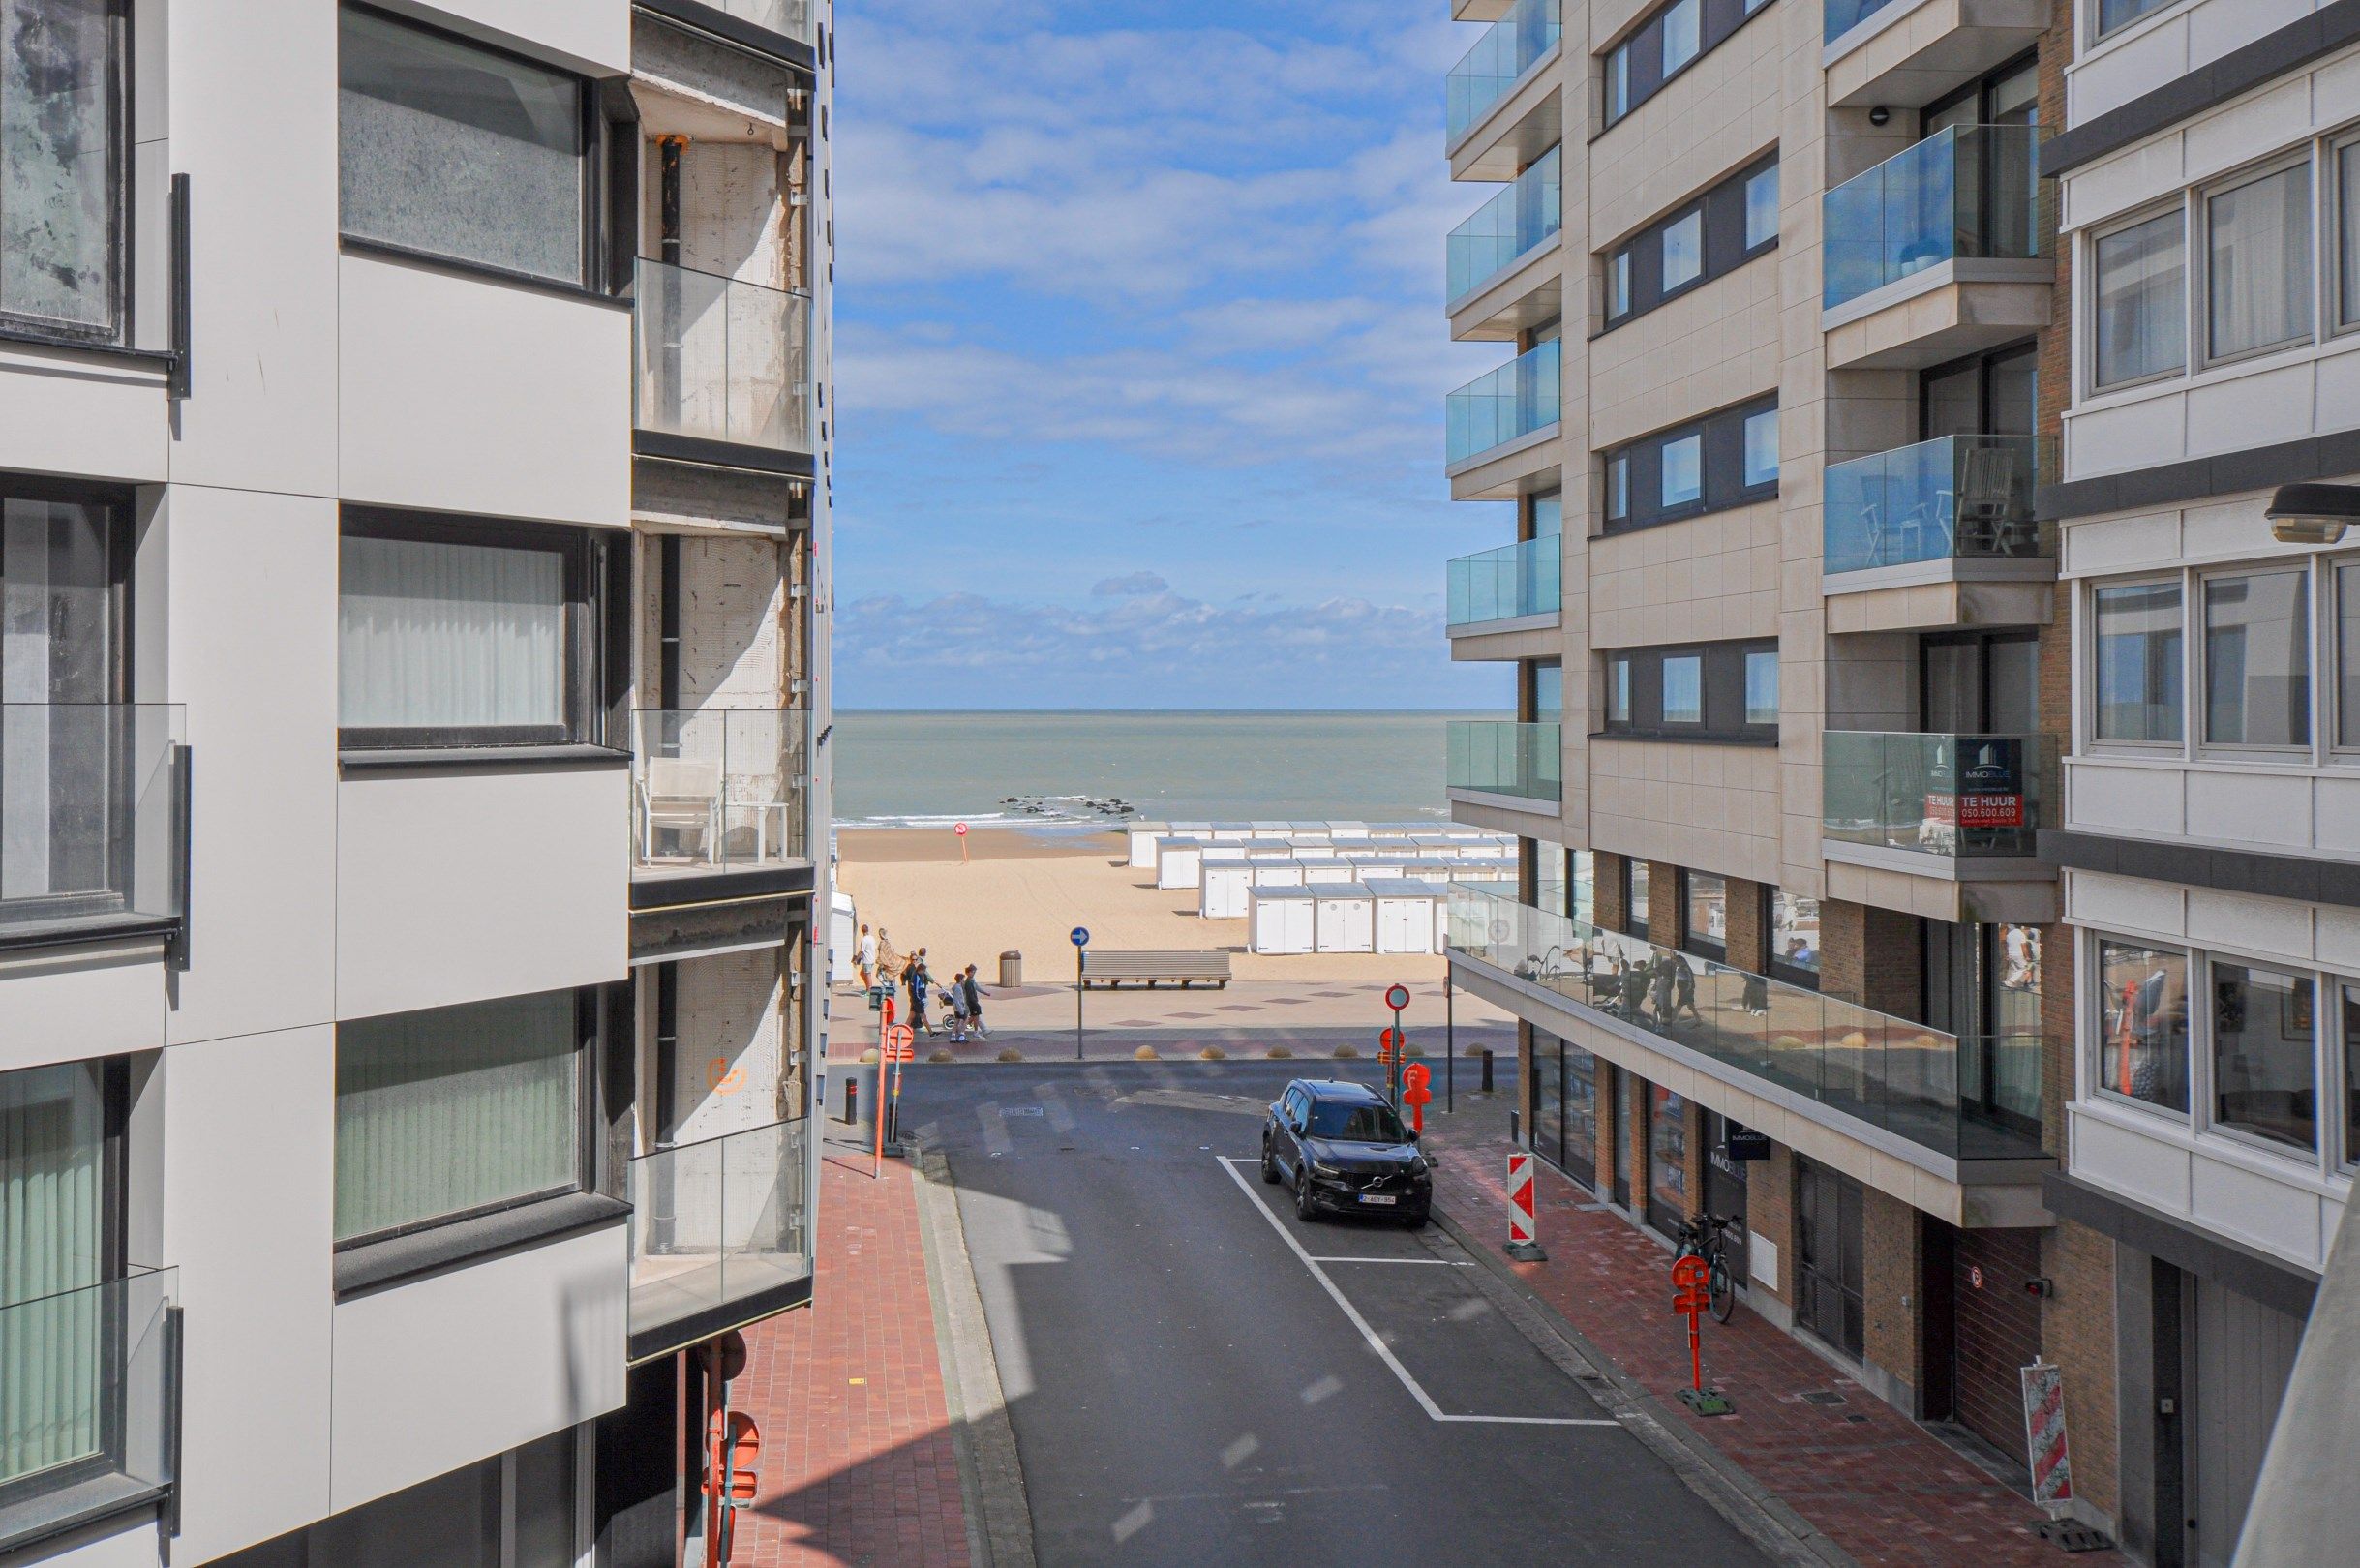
(1370, 1337)
(1437, 1262)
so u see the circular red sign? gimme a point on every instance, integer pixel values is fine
(1397, 997)
(961, 829)
(1974, 1277)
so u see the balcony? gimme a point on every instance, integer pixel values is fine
(1507, 50)
(723, 371)
(1504, 101)
(89, 1404)
(1937, 252)
(719, 1235)
(1518, 583)
(94, 820)
(1937, 535)
(1513, 404)
(719, 791)
(796, 20)
(1950, 797)
(1907, 53)
(1522, 763)
(1488, 249)
(1847, 1061)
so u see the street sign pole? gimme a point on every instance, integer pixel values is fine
(1450, 1047)
(1397, 997)
(1081, 944)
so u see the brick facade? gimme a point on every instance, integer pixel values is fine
(1770, 1213)
(1870, 956)
(1607, 891)
(2077, 1334)
(1749, 926)
(1664, 898)
(1893, 1336)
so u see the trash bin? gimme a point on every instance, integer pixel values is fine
(1011, 969)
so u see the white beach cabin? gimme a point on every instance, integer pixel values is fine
(1407, 920)
(1221, 893)
(1143, 836)
(1279, 921)
(1179, 862)
(1343, 918)
(1276, 873)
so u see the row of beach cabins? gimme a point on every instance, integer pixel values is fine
(1324, 887)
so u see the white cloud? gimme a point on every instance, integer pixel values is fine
(1129, 586)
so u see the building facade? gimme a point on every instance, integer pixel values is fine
(414, 442)
(1788, 641)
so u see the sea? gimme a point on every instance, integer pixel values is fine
(987, 768)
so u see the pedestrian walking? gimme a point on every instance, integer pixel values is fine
(954, 999)
(973, 992)
(913, 981)
(1660, 989)
(888, 962)
(1683, 991)
(866, 963)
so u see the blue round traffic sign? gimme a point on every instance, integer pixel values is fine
(1081, 936)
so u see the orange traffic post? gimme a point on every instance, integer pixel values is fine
(732, 1440)
(1691, 1276)
(1416, 1095)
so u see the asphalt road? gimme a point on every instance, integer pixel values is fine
(1195, 1376)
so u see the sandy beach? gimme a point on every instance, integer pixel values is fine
(1024, 889)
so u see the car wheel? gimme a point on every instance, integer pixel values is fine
(1303, 1209)
(1270, 1167)
(1416, 1219)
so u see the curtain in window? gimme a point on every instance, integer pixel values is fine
(2141, 316)
(453, 1110)
(2259, 273)
(2257, 660)
(53, 1135)
(436, 634)
(57, 737)
(58, 160)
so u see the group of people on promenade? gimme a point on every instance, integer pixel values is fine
(959, 999)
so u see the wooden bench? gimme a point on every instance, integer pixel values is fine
(1149, 968)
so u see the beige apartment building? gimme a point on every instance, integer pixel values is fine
(1778, 278)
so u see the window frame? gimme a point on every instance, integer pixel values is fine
(2212, 1122)
(1722, 248)
(2332, 218)
(2177, 207)
(1721, 486)
(2092, 1008)
(2099, 30)
(1717, 21)
(587, 608)
(1692, 940)
(121, 174)
(2196, 651)
(2200, 353)
(2086, 652)
(1720, 691)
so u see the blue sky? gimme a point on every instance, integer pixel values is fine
(1140, 355)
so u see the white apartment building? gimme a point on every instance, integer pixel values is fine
(2209, 174)
(414, 445)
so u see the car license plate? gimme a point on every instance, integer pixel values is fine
(1375, 1197)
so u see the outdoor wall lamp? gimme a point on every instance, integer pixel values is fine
(2313, 514)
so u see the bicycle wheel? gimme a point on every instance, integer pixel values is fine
(1721, 1291)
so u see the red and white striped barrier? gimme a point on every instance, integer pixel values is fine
(1519, 1200)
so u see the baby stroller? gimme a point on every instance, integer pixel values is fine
(953, 1001)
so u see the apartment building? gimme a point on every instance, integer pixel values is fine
(1780, 280)
(2208, 171)
(413, 573)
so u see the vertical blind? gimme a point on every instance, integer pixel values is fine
(52, 1138)
(454, 1111)
(440, 634)
(57, 637)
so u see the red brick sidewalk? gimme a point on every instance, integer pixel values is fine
(1873, 1481)
(856, 1462)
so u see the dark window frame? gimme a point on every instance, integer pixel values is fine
(1691, 940)
(1723, 693)
(122, 111)
(1724, 250)
(1718, 23)
(590, 608)
(1780, 969)
(1721, 471)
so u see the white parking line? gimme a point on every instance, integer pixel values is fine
(1369, 1335)
(1437, 1262)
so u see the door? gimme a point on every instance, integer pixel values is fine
(1725, 1184)
(1288, 1144)
(1579, 1075)
(1830, 1231)
(1669, 1202)
(1618, 1158)
(1995, 1333)
(2244, 1354)
(1549, 1097)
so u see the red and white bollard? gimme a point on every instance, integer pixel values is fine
(1521, 1228)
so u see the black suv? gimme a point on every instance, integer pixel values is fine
(1344, 1150)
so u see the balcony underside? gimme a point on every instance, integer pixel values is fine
(1480, 11)
(1522, 637)
(1523, 294)
(1910, 54)
(1959, 889)
(1941, 595)
(1512, 469)
(671, 497)
(681, 1315)
(1526, 122)
(1950, 310)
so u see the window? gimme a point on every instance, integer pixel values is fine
(2265, 1080)
(1762, 686)
(2113, 13)
(1667, 1158)
(1635, 900)
(456, 634)
(2257, 660)
(1727, 458)
(2142, 1013)
(1683, 689)
(1684, 252)
(1681, 38)
(456, 150)
(1683, 470)
(1618, 84)
(2351, 1074)
(2141, 326)
(2348, 235)
(2348, 656)
(2138, 663)
(63, 169)
(1794, 938)
(522, 1509)
(1705, 921)
(2257, 263)
(1718, 691)
(457, 1111)
(1762, 448)
(1705, 237)
(1549, 515)
(1760, 207)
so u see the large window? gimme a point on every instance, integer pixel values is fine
(1672, 38)
(2351, 1073)
(1667, 1158)
(1794, 938)
(460, 633)
(2139, 656)
(1715, 691)
(2257, 660)
(522, 1509)
(2265, 1079)
(1634, 896)
(1701, 239)
(2141, 329)
(457, 1111)
(2143, 1023)
(2346, 189)
(451, 149)
(2113, 13)
(2257, 263)
(63, 168)
(1709, 466)
(1704, 927)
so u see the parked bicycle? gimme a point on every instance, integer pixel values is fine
(1706, 1236)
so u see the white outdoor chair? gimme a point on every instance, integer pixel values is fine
(681, 795)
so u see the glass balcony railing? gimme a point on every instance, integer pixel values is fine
(1961, 497)
(719, 787)
(1500, 57)
(1966, 192)
(720, 359)
(1508, 227)
(1943, 1093)
(1520, 396)
(1956, 795)
(1498, 757)
(719, 1235)
(93, 814)
(1524, 579)
(89, 1394)
(797, 19)
(1843, 16)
